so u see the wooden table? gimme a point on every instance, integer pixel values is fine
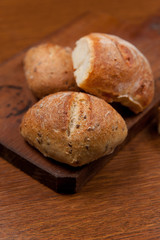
(123, 200)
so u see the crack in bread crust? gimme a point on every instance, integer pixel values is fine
(72, 115)
(79, 106)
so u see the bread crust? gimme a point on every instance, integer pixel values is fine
(118, 72)
(73, 128)
(48, 69)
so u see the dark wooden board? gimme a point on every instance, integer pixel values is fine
(16, 98)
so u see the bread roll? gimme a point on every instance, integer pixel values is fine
(113, 69)
(48, 69)
(73, 128)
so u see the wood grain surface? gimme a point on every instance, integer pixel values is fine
(16, 98)
(123, 200)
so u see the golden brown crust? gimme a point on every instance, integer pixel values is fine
(119, 72)
(48, 69)
(74, 128)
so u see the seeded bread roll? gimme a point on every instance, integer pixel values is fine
(48, 69)
(73, 128)
(113, 69)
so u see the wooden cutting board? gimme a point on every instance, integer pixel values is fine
(16, 98)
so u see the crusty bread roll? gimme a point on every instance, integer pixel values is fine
(73, 128)
(48, 69)
(113, 69)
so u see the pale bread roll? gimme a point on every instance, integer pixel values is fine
(73, 128)
(48, 69)
(113, 69)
